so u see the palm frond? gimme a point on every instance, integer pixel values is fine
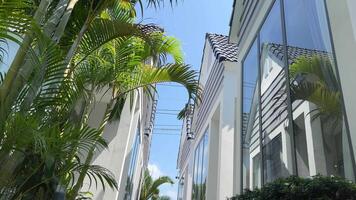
(148, 75)
(159, 47)
(2, 77)
(159, 3)
(150, 188)
(102, 31)
(97, 174)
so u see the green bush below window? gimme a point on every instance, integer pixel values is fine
(295, 188)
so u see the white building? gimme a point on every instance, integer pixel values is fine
(129, 142)
(205, 158)
(283, 107)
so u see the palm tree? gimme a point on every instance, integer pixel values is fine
(43, 137)
(313, 80)
(77, 25)
(114, 78)
(150, 187)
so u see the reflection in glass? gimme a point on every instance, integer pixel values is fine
(256, 171)
(301, 148)
(180, 189)
(200, 168)
(272, 159)
(250, 115)
(273, 94)
(132, 166)
(315, 91)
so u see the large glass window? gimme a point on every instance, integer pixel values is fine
(301, 148)
(180, 194)
(250, 116)
(292, 119)
(272, 159)
(256, 171)
(200, 169)
(273, 91)
(315, 90)
(133, 161)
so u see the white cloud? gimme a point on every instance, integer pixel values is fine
(154, 171)
(171, 193)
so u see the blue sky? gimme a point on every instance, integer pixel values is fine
(188, 21)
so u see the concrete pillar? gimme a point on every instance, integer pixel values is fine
(211, 185)
(238, 134)
(227, 133)
(315, 144)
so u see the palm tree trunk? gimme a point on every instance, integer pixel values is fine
(10, 88)
(75, 45)
(54, 28)
(58, 21)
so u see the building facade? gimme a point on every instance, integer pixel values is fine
(293, 114)
(205, 159)
(287, 106)
(129, 141)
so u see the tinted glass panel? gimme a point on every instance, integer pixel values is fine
(256, 171)
(315, 89)
(200, 169)
(132, 166)
(273, 90)
(272, 159)
(250, 115)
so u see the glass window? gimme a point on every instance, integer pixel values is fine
(256, 171)
(274, 112)
(272, 72)
(315, 88)
(180, 189)
(133, 162)
(205, 165)
(200, 169)
(250, 114)
(301, 148)
(320, 141)
(272, 159)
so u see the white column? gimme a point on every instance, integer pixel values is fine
(342, 15)
(227, 132)
(213, 166)
(315, 144)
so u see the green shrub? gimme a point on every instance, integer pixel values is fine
(293, 188)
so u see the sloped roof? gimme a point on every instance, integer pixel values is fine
(295, 52)
(150, 28)
(222, 49)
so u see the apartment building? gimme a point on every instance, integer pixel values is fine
(205, 159)
(289, 106)
(128, 149)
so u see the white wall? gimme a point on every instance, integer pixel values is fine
(342, 16)
(120, 136)
(352, 12)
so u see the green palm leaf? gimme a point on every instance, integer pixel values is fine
(148, 76)
(150, 188)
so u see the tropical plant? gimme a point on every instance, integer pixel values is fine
(150, 188)
(69, 50)
(293, 188)
(313, 79)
